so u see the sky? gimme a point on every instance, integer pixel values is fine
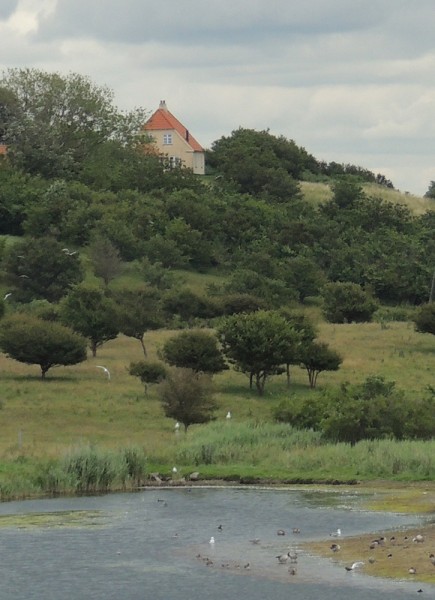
(351, 81)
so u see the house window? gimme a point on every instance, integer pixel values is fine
(167, 139)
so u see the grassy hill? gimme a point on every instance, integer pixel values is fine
(77, 407)
(316, 193)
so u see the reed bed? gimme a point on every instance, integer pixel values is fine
(294, 454)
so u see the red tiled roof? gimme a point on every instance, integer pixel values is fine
(163, 119)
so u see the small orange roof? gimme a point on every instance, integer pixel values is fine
(163, 119)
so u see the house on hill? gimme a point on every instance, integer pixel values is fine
(174, 140)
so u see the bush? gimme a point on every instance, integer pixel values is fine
(347, 303)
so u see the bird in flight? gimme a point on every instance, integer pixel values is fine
(355, 565)
(107, 372)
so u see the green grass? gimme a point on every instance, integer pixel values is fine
(318, 193)
(77, 408)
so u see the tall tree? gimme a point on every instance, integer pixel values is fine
(106, 260)
(58, 121)
(317, 357)
(41, 268)
(187, 397)
(258, 344)
(88, 311)
(139, 311)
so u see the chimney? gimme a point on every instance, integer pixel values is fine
(162, 105)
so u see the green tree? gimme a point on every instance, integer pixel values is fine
(376, 409)
(430, 191)
(106, 261)
(317, 357)
(347, 303)
(257, 344)
(188, 397)
(188, 305)
(58, 121)
(148, 372)
(196, 349)
(88, 311)
(260, 164)
(41, 268)
(31, 340)
(18, 193)
(139, 311)
(305, 332)
(425, 319)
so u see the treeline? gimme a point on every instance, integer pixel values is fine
(78, 169)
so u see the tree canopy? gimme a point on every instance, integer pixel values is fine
(188, 397)
(258, 343)
(30, 340)
(88, 311)
(52, 123)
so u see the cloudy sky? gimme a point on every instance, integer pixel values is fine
(350, 80)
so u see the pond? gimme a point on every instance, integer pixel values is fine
(155, 545)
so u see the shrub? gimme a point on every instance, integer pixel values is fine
(347, 303)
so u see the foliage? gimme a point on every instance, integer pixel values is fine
(189, 305)
(139, 311)
(187, 397)
(58, 121)
(156, 275)
(258, 344)
(374, 409)
(347, 303)
(273, 292)
(41, 268)
(33, 341)
(317, 357)
(260, 163)
(19, 192)
(195, 349)
(431, 190)
(92, 314)
(147, 371)
(425, 319)
(240, 303)
(106, 261)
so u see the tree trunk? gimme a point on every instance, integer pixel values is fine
(260, 382)
(251, 379)
(94, 348)
(287, 370)
(143, 346)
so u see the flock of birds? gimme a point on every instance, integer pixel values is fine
(290, 557)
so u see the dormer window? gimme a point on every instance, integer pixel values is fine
(167, 139)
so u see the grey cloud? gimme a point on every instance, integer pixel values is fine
(7, 7)
(192, 21)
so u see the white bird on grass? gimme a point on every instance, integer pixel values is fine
(355, 565)
(105, 370)
(228, 415)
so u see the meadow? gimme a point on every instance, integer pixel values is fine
(77, 415)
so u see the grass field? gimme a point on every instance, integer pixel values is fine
(78, 405)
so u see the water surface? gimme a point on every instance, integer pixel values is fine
(154, 544)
